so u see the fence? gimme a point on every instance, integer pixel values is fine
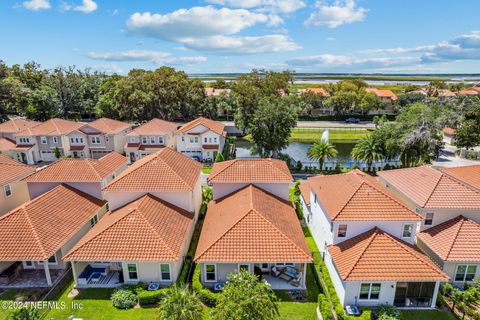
(334, 164)
(57, 288)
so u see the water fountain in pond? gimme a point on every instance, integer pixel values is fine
(325, 136)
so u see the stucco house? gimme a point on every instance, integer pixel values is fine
(9, 128)
(436, 195)
(13, 191)
(201, 139)
(467, 174)
(86, 175)
(454, 245)
(271, 175)
(106, 135)
(254, 230)
(144, 240)
(386, 95)
(36, 235)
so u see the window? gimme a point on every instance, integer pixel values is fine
(165, 272)
(132, 139)
(24, 140)
(28, 265)
(43, 140)
(160, 140)
(95, 140)
(144, 140)
(94, 220)
(210, 140)
(55, 139)
(342, 231)
(407, 231)
(132, 271)
(429, 219)
(183, 139)
(210, 273)
(242, 267)
(370, 291)
(284, 264)
(8, 190)
(215, 139)
(465, 273)
(72, 140)
(51, 260)
(152, 140)
(205, 139)
(193, 139)
(107, 138)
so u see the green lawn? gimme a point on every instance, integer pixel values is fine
(207, 170)
(307, 135)
(427, 315)
(297, 311)
(16, 294)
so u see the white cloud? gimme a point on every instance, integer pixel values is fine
(279, 6)
(87, 6)
(37, 5)
(330, 39)
(157, 57)
(339, 13)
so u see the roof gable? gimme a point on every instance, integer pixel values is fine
(15, 125)
(215, 126)
(468, 174)
(109, 126)
(11, 170)
(154, 127)
(52, 127)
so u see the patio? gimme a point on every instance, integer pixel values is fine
(33, 279)
(280, 284)
(110, 280)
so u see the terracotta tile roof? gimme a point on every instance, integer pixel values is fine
(251, 225)
(12, 170)
(146, 229)
(79, 170)
(306, 187)
(163, 170)
(109, 126)
(38, 228)
(154, 127)
(468, 174)
(250, 170)
(430, 188)
(383, 93)
(216, 92)
(448, 131)
(378, 256)
(215, 126)
(6, 144)
(457, 239)
(52, 127)
(356, 196)
(15, 125)
(477, 88)
(320, 91)
(468, 92)
(446, 93)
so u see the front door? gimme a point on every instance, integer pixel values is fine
(75, 154)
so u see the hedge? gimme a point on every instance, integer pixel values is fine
(146, 297)
(325, 307)
(206, 296)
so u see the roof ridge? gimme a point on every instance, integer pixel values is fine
(433, 190)
(121, 177)
(462, 221)
(222, 170)
(369, 242)
(55, 125)
(458, 180)
(88, 160)
(348, 201)
(35, 234)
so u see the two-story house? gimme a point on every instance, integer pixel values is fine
(13, 191)
(201, 139)
(145, 236)
(366, 236)
(8, 129)
(87, 175)
(106, 135)
(251, 225)
(449, 203)
(149, 138)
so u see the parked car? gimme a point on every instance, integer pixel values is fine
(352, 120)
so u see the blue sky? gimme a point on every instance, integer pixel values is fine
(368, 36)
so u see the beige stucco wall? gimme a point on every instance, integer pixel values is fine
(19, 196)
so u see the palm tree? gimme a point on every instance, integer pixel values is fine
(180, 303)
(321, 150)
(367, 150)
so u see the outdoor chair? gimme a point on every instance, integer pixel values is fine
(275, 272)
(297, 281)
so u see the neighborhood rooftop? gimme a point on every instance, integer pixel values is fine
(251, 225)
(147, 229)
(250, 171)
(52, 127)
(457, 239)
(154, 127)
(15, 125)
(12, 170)
(79, 170)
(378, 256)
(467, 174)
(431, 188)
(215, 126)
(38, 228)
(163, 170)
(109, 126)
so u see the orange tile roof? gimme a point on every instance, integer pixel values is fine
(15, 125)
(387, 93)
(446, 93)
(457, 239)
(216, 92)
(146, 229)
(477, 88)
(52, 127)
(79, 170)
(109, 126)
(306, 187)
(6, 144)
(12, 170)
(468, 174)
(378, 256)
(215, 126)
(449, 131)
(320, 91)
(163, 170)
(468, 92)
(356, 196)
(250, 171)
(38, 228)
(251, 225)
(154, 127)
(430, 188)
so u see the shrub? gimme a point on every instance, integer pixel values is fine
(26, 313)
(206, 296)
(298, 166)
(146, 297)
(123, 299)
(390, 311)
(324, 307)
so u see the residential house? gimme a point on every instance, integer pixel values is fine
(386, 95)
(6, 146)
(454, 245)
(201, 139)
(254, 230)
(217, 92)
(434, 194)
(320, 91)
(106, 135)
(8, 129)
(366, 236)
(449, 135)
(154, 206)
(13, 191)
(468, 92)
(149, 138)
(467, 174)
(86, 175)
(36, 235)
(144, 240)
(271, 175)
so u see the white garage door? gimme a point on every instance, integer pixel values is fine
(48, 155)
